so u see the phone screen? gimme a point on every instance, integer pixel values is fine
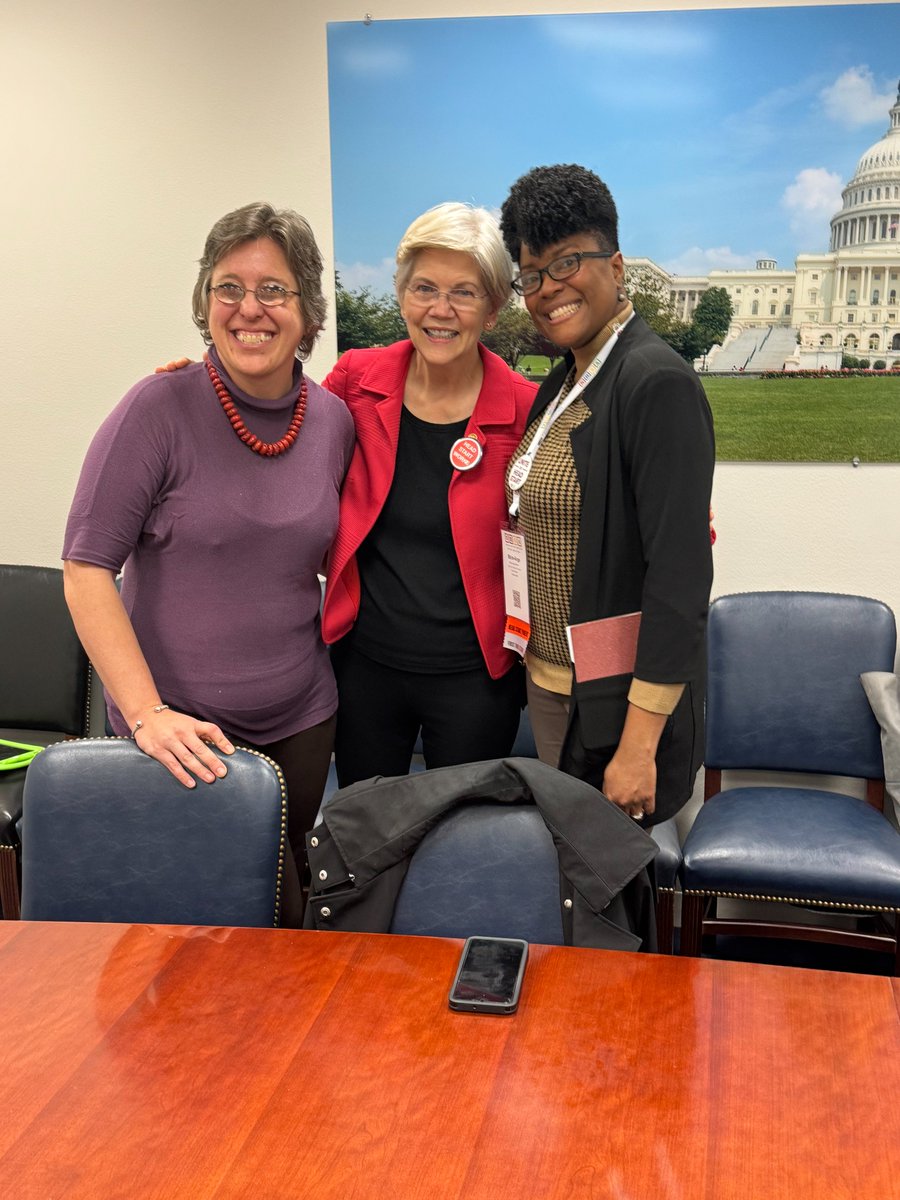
(490, 975)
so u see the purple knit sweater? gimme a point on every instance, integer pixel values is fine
(220, 546)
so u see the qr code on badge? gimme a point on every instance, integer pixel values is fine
(517, 599)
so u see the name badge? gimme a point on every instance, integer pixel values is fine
(517, 629)
(465, 453)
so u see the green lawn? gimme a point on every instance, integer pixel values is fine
(795, 420)
(533, 366)
(806, 420)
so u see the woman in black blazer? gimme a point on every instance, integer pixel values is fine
(610, 489)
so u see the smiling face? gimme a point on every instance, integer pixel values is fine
(256, 344)
(440, 333)
(574, 312)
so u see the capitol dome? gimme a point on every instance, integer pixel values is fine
(832, 306)
(871, 208)
(886, 151)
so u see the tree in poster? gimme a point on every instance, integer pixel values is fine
(366, 320)
(650, 297)
(513, 335)
(711, 319)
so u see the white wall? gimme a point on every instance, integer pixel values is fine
(129, 128)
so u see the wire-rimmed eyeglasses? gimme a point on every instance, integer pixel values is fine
(463, 299)
(270, 295)
(527, 282)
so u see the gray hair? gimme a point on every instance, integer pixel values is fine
(292, 234)
(455, 226)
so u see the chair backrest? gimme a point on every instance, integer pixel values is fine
(44, 672)
(783, 688)
(488, 869)
(110, 835)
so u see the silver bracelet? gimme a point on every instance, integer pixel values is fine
(157, 708)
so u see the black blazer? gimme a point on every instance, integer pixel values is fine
(644, 462)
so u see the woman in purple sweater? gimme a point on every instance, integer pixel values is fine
(216, 488)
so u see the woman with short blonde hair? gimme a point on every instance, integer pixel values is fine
(414, 599)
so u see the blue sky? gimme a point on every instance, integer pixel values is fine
(724, 135)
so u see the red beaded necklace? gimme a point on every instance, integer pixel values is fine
(257, 445)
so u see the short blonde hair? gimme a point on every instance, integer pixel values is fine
(462, 227)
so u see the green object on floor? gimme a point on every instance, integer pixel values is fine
(15, 761)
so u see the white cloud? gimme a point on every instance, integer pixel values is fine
(853, 99)
(377, 277)
(664, 36)
(811, 201)
(698, 261)
(376, 64)
(628, 45)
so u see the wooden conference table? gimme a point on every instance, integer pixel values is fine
(186, 1063)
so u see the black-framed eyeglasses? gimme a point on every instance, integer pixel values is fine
(527, 282)
(271, 295)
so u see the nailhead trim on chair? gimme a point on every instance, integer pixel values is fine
(87, 699)
(801, 900)
(282, 839)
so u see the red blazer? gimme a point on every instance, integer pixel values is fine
(372, 382)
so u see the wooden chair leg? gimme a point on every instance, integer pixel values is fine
(692, 910)
(9, 884)
(665, 920)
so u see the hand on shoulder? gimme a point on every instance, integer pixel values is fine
(175, 365)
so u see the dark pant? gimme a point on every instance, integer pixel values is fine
(304, 759)
(464, 716)
(549, 714)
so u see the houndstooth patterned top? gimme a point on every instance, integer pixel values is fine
(550, 517)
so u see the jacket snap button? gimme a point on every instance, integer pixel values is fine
(325, 912)
(314, 841)
(323, 874)
(567, 903)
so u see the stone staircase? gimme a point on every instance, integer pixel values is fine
(755, 350)
(772, 352)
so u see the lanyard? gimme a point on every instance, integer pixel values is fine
(521, 469)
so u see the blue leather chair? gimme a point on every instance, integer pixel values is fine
(45, 691)
(110, 835)
(666, 864)
(486, 869)
(784, 695)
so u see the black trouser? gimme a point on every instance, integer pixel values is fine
(464, 716)
(304, 759)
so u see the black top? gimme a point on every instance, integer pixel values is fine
(413, 611)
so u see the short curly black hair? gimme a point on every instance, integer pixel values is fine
(552, 203)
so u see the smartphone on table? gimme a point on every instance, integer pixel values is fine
(489, 976)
